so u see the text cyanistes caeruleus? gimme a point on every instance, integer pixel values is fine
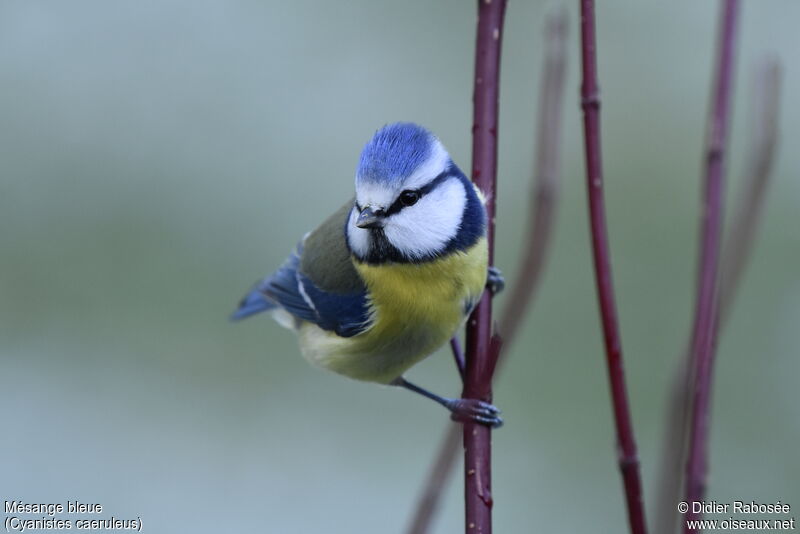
(393, 274)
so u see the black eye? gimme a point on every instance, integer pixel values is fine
(409, 198)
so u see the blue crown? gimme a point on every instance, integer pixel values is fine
(394, 153)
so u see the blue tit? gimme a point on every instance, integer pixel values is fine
(393, 274)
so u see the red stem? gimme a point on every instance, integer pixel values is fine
(536, 247)
(736, 253)
(590, 102)
(706, 315)
(438, 477)
(763, 130)
(483, 348)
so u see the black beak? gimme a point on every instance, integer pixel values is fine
(370, 219)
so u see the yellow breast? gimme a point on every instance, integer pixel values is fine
(415, 308)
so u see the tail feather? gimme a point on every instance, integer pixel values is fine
(252, 303)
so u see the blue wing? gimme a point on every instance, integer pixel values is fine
(346, 314)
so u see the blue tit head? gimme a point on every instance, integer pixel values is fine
(412, 202)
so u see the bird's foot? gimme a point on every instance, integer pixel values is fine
(495, 281)
(464, 410)
(474, 411)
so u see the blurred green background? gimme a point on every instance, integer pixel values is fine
(156, 157)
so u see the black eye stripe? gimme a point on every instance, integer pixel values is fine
(398, 205)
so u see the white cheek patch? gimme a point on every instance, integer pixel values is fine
(357, 238)
(425, 228)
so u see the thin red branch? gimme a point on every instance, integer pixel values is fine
(736, 252)
(482, 347)
(590, 102)
(431, 497)
(758, 167)
(706, 316)
(536, 245)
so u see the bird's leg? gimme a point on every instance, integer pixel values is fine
(495, 281)
(464, 410)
